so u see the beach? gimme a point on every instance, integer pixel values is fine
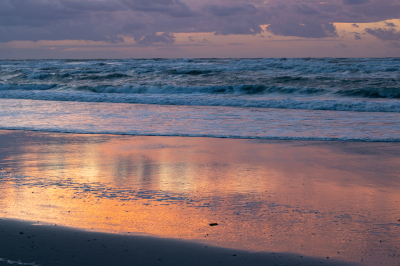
(274, 202)
(279, 161)
(26, 244)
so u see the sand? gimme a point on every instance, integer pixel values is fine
(150, 200)
(55, 245)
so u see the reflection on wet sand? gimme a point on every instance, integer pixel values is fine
(326, 199)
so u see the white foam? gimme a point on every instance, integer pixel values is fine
(12, 262)
(212, 100)
(198, 121)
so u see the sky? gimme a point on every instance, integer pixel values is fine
(47, 29)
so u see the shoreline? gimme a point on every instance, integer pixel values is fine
(56, 245)
(271, 139)
(198, 121)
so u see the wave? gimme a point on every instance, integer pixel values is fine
(27, 87)
(352, 84)
(191, 71)
(39, 76)
(244, 89)
(171, 89)
(230, 136)
(372, 92)
(104, 77)
(207, 100)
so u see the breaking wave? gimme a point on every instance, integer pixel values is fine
(207, 100)
(340, 84)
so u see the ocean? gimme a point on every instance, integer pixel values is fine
(306, 99)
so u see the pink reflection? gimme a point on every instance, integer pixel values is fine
(336, 199)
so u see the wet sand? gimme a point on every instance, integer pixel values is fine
(54, 245)
(310, 198)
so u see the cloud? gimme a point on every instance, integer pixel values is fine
(395, 45)
(39, 10)
(384, 34)
(174, 8)
(306, 9)
(355, 2)
(151, 39)
(306, 30)
(99, 5)
(329, 7)
(223, 10)
(377, 11)
(238, 18)
(144, 20)
(244, 26)
(5, 6)
(390, 24)
(54, 20)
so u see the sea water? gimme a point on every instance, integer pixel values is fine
(311, 99)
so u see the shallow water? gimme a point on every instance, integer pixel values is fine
(198, 121)
(323, 199)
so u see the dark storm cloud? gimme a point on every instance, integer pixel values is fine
(107, 20)
(384, 34)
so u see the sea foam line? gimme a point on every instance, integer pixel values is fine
(19, 262)
(222, 136)
(210, 100)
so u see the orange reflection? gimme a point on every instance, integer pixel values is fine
(336, 199)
